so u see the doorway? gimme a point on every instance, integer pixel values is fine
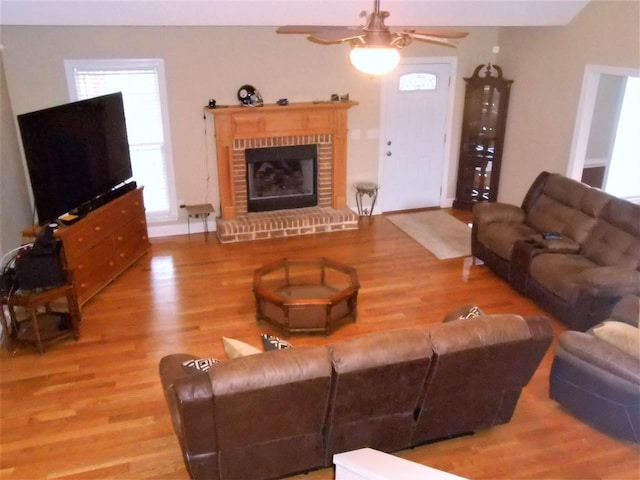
(415, 119)
(598, 155)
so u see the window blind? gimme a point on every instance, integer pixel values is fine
(141, 96)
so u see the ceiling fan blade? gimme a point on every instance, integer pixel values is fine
(435, 33)
(307, 28)
(336, 35)
(438, 41)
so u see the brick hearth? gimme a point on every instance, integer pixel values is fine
(285, 223)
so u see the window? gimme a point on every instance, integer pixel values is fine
(143, 90)
(417, 81)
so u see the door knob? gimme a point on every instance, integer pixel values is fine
(388, 154)
(389, 142)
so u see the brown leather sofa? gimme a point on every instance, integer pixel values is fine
(577, 277)
(282, 412)
(596, 380)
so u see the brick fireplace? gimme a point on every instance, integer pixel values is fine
(240, 128)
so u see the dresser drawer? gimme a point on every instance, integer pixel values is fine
(94, 269)
(128, 208)
(84, 235)
(131, 242)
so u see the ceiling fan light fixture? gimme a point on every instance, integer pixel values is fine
(374, 60)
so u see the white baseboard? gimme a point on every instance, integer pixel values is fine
(179, 228)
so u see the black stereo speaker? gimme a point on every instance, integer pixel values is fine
(39, 266)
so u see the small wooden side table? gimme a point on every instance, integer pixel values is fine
(44, 323)
(362, 189)
(201, 211)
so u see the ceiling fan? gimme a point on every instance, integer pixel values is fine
(374, 39)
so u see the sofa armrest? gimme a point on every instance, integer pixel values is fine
(609, 281)
(190, 400)
(627, 310)
(497, 212)
(594, 351)
(561, 244)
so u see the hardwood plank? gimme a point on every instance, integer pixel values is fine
(94, 408)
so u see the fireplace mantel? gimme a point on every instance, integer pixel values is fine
(275, 121)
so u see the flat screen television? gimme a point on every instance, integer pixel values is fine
(76, 154)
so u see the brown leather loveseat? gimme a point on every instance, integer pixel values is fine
(579, 276)
(281, 412)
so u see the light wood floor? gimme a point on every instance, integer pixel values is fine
(94, 408)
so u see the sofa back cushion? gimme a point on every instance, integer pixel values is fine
(566, 206)
(378, 379)
(479, 368)
(615, 239)
(270, 410)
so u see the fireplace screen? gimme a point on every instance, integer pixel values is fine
(281, 177)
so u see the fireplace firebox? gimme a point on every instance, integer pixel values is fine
(280, 178)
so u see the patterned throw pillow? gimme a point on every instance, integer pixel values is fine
(202, 364)
(468, 310)
(473, 312)
(269, 342)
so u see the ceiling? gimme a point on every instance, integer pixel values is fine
(281, 12)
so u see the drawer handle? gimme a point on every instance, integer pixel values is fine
(120, 238)
(144, 237)
(122, 255)
(79, 239)
(83, 285)
(80, 266)
(111, 263)
(97, 228)
(123, 211)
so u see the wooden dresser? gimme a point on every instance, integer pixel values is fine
(105, 243)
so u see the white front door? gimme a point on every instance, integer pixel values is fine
(414, 127)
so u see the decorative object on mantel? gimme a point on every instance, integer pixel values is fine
(483, 127)
(374, 46)
(249, 96)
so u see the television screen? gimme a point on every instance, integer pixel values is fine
(75, 153)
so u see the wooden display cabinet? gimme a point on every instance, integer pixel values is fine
(483, 128)
(102, 245)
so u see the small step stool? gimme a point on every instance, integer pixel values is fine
(201, 211)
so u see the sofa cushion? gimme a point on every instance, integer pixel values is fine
(612, 281)
(609, 245)
(620, 335)
(550, 215)
(559, 273)
(600, 355)
(378, 379)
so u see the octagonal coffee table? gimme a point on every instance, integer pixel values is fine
(307, 295)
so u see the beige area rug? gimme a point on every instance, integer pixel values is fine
(437, 231)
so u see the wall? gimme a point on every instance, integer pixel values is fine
(548, 65)
(605, 118)
(15, 210)
(203, 63)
